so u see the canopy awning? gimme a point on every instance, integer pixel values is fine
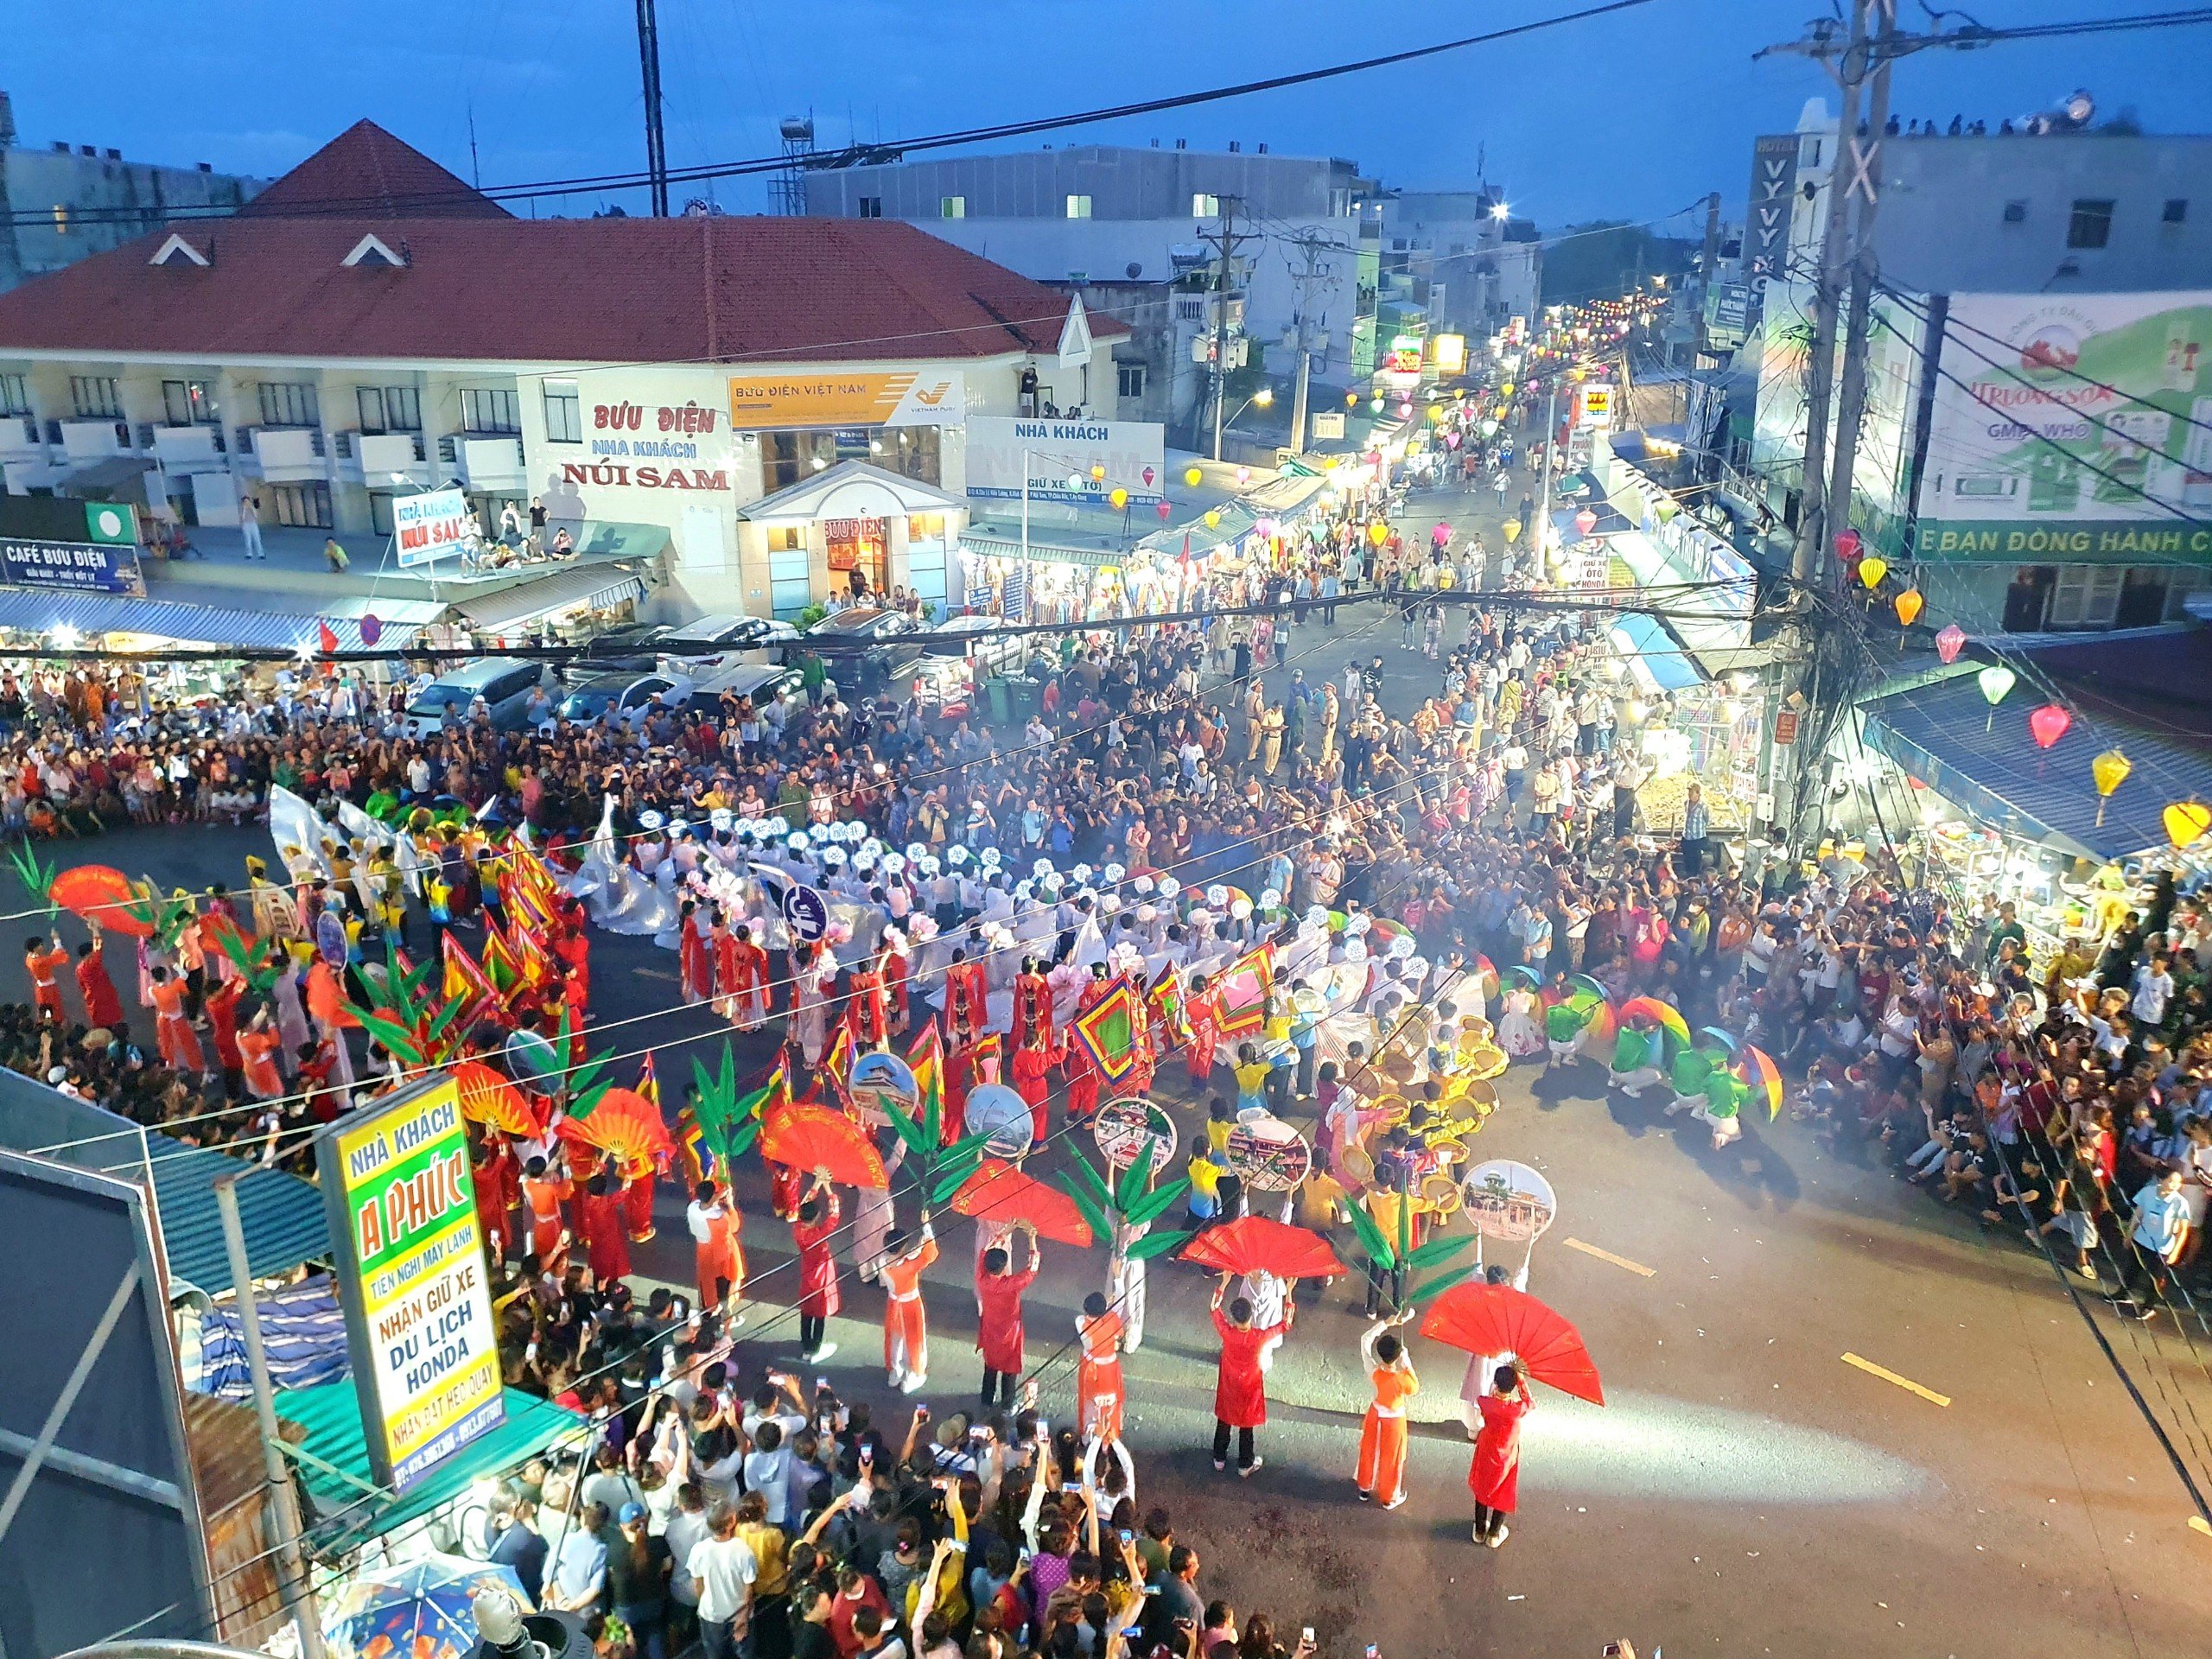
(41, 610)
(593, 587)
(333, 1460)
(1657, 664)
(1942, 731)
(1055, 550)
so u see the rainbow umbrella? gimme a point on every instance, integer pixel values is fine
(1584, 983)
(1604, 1025)
(1382, 931)
(1486, 972)
(1661, 1014)
(1521, 973)
(1723, 1037)
(1760, 1071)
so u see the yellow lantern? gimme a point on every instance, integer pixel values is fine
(1119, 497)
(1512, 529)
(1436, 414)
(1872, 570)
(2110, 770)
(1352, 400)
(2186, 823)
(1192, 477)
(1505, 390)
(1378, 532)
(1097, 472)
(1909, 604)
(1213, 518)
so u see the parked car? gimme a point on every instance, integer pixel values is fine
(633, 645)
(504, 684)
(723, 640)
(762, 681)
(980, 645)
(865, 671)
(624, 698)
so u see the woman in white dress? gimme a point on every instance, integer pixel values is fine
(1519, 1033)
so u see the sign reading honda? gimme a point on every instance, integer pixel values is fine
(412, 1278)
(2071, 430)
(1065, 460)
(433, 525)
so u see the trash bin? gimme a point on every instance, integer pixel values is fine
(998, 700)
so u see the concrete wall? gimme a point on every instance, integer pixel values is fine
(105, 201)
(1122, 183)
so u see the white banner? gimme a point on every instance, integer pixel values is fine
(431, 525)
(1062, 457)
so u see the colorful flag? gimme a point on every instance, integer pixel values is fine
(836, 1062)
(1108, 1032)
(499, 964)
(772, 1096)
(649, 1082)
(465, 982)
(1242, 992)
(700, 1161)
(1165, 996)
(926, 1060)
(536, 967)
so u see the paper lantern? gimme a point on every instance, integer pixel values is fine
(1405, 410)
(1505, 390)
(1119, 497)
(1163, 510)
(1378, 532)
(1213, 518)
(1352, 400)
(1193, 477)
(1098, 470)
(1243, 476)
(1375, 403)
(2110, 771)
(1909, 603)
(1666, 509)
(1950, 642)
(1586, 521)
(1872, 570)
(1436, 415)
(2048, 724)
(1512, 530)
(2186, 822)
(1996, 682)
(1846, 545)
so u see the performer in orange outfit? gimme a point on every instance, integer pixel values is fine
(493, 1172)
(999, 1330)
(42, 964)
(714, 1248)
(549, 1235)
(751, 997)
(1030, 1061)
(1032, 1003)
(102, 1006)
(905, 1323)
(814, 1233)
(1098, 1375)
(867, 1008)
(695, 961)
(966, 992)
(636, 1195)
(258, 1046)
(173, 1033)
(599, 1218)
(1201, 1017)
(1381, 1470)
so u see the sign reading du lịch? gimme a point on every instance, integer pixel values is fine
(412, 1279)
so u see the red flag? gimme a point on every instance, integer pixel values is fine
(465, 982)
(325, 639)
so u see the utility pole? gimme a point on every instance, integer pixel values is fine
(1312, 247)
(1863, 192)
(1850, 69)
(1712, 256)
(1225, 242)
(656, 142)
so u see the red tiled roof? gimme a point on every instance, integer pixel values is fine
(366, 173)
(585, 290)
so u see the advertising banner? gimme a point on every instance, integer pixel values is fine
(798, 398)
(412, 1278)
(2075, 429)
(1061, 456)
(1774, 194)
(434, 524)
(87, 567)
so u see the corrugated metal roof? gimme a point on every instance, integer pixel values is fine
(596, 585)
(282, 1214)
(41, 610)
(332, 1417)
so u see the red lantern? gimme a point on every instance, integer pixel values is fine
(2048, 724)
(1586, 521)
(1846, 545)
(1163, 510)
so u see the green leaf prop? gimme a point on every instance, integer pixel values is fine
(37, 877)
(1152, 1244)
(1093, 1209)
(1436, 1286)
(1439, 1251)
(1371, 1239)
(396, 1037)
(1131, 1187)
(1090, 1182)
(1157, 1203)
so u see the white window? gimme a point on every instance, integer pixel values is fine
(2086, 595)
(94, 395)
(488, 410)
(1204, 205)
(1078, 207)
(289, 403)
(1130, 380)
(871, 206)
(14, 395)
(564, 420)
(188, 403)
(952, 207)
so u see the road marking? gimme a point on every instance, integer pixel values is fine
(1904, 1383)
(1607, 1255)
(2201, 1525)
(654, 973)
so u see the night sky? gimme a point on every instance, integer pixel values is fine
(1630, 117)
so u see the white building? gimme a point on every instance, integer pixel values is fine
(660, 387)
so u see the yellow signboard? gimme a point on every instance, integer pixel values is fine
(804, 397)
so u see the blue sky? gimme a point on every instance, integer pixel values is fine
(1628, 117)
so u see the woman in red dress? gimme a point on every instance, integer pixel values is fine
(1495, 1477)
(1240, 1393)
(814, 1233)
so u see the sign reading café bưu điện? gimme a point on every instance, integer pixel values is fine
(412, 1279)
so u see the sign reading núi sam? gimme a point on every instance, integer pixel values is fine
(412, 1279)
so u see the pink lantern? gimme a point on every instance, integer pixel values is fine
(1243, 476)
(1950, 643)
(1163, 509)
(1846, 545)
(1586, 521)
(2048, 724)
(1450, 439)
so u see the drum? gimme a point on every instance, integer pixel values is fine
(996, 1109)
(1125, 1127)
(879, 1085)
(1267, 1154)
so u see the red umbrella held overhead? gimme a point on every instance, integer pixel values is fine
(1256, 1244)
(1499, 1320)
(998, 1191)
(818, 1139)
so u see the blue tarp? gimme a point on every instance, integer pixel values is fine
(302, 1333)
(1652, 654)
(1942, 733)
(41, 611)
